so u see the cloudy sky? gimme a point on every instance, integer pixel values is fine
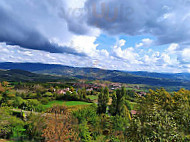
(131, 35)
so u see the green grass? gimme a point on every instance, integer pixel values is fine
(92, 97)
(138, 90)
(67, 103)
(76, 103)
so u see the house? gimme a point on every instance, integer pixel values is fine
(133, 112)
(63, 91)
(67, 89)
(89, 90)
(114, 86)
(141, 94)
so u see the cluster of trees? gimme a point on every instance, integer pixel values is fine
(10, 126)
(79, 95)
(28, 101)
(120, 104)
(160, 116)
(33, 97)
(14, 126)
(100, 127)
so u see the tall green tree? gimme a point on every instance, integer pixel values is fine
(103, 100)
(118, 106)
(113, 106)
(159, 117)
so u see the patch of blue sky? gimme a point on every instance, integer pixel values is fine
(105, 42)
(160, 48)
(131, 41)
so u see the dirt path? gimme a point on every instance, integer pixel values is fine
(29, 112)
(3, 140)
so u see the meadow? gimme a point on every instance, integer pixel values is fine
(66, 103)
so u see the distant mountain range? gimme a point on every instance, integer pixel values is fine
(176, 76)
(15, 75)
(153, 79)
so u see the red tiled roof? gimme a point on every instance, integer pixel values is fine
(133, 112)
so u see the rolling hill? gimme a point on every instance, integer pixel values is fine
(153, 79)
(15, 75)
(175, 76)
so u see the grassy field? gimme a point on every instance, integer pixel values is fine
(92, 97)
(67, 103)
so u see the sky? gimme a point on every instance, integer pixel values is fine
(140, 35)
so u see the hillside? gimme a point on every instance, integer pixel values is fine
(16, 75)
(176, 76)
(153, 79)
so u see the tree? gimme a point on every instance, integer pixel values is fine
(100, 102)
(181, 110)
(88, 121)
(18, 101)
(84, 132)
(51, 89)
(60, 126)
(103, 100)
(35, 126)
(5, 83)
(2, 89)
(72, 89)
(8, 122)
(157, 125)
(84, 93)
(113, 106)
(157, 118)
(34, 105)
(48, 94)
(120, 124)
(118, 106)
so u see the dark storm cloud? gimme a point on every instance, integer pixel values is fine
(167, 20)
(75, 18)
(13, 31)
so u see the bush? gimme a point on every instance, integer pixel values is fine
(18, 102)
(84, 133)
(34, 105)
(48, 94)
(10, 126)
(44, 101)
(87, 114)
(35, 126)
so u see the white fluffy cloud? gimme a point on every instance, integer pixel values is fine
(172, 48)
(127, 54)
(120, 58)
(65, 32)
(146, 42)
(185, 55)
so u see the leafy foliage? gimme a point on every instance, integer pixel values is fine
(118, 106)
(59, 126)
(161, 117)
(103, 100)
